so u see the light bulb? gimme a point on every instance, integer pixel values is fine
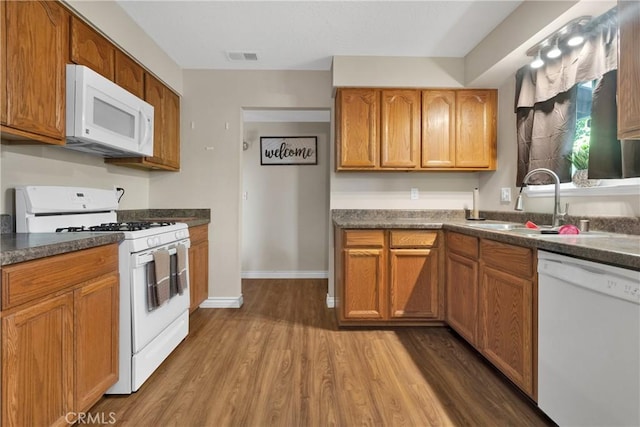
(555, 51)
(575, 40)
(537, 62)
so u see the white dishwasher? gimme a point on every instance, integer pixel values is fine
(588, 342)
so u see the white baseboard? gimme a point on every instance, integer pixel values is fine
(271, 274)
(222, 302)
(331, 301)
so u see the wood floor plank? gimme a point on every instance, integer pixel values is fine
(280, 360)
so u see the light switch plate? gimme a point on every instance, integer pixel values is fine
(505, 194)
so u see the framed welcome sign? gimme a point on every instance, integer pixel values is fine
(288, 150)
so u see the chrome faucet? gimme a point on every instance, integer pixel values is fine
(558, 215)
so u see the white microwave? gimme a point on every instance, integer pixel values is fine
(104, 119)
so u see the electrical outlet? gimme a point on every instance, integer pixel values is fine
(415, 195)
(505, 194)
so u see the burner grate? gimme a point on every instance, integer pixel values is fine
(116, 226)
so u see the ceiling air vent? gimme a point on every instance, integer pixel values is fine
(242, 56)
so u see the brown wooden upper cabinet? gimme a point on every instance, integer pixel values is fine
(357, 129)
(416, 130)
(438, 128)
(629, 70)
(90, 48)
(33, 53)
(400, 135)
(476, 129)
(459, 129)
(129, 75)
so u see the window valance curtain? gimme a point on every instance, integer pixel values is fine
(545, 102)
(596, 57)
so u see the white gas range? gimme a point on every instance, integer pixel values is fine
(150, 327)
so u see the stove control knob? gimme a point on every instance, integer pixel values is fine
(150, 242)
(180, 234)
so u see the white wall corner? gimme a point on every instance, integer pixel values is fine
(331, 301)
(223, 302)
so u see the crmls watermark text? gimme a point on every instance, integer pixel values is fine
(89, 418)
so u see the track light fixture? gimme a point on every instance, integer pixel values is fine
(570, 35)
(555, 51)
(537, 62)
(575, 40)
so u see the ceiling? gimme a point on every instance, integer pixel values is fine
(305, 35)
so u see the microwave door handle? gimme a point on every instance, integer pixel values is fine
(147, 125)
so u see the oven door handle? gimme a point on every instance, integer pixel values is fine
(147, 257)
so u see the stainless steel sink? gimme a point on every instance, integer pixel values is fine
(530, 232)
(504, 226)
(495, 226)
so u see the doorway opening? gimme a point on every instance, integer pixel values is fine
(284, 226)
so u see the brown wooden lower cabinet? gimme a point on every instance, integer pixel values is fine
(37, 363)
(96, 337)
(506, 312)
(491, 302)
(198, 265)
(60, 349)
(388, 276)
(365, 285)
(462, 296)
(414, 283)
(506, 324)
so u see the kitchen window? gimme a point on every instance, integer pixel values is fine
(580, 154)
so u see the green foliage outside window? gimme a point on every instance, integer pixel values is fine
(580, 156)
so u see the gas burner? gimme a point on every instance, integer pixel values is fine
(70, 229)
(117, 226)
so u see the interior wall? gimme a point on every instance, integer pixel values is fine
(211, 152)
(284, 208)
(47, 165)
(399, 71)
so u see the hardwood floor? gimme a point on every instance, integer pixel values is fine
(281, 361)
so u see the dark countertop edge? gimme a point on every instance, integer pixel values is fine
(610, 224)
(14, 256)
(191, 217)
(607, 256)
(197, 222)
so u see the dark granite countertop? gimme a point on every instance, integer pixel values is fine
(192, 217)
(612, 248)
(19, 247)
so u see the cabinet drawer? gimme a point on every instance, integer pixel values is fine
(413, 239)
(463, 244)
(199, 234)
(506, 257)
(355, 238)
(29, 280)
